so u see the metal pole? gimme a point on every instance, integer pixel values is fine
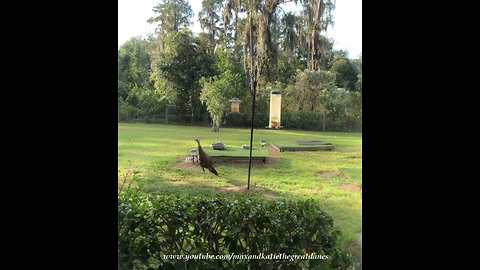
(253, 87)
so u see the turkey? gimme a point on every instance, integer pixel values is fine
(205, 160)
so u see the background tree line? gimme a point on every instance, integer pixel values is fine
(177, 77)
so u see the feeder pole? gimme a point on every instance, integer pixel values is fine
(252, 87)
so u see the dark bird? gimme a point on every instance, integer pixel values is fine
(205, 160)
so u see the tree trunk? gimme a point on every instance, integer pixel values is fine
(191, 108)
(323, 122)
(166, 113)
(235, 37)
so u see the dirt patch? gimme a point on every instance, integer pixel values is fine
(269, 195)
(350, 187)
(327, 175)
(338, 180)
(237, 189)
(273, 152)
(234, 189)
(355, 248)
(188, 166)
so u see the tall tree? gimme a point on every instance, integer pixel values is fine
(210, 18)
(318, 14)
(177, 64)
(233, 27)
(266, 49)
(173, 15)
(289, 36)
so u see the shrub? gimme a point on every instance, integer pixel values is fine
(150, 227)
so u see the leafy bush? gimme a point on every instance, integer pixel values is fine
(150, 227)
(128, 112)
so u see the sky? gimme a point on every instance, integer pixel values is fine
(346, 31)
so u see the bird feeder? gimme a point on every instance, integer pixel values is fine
(218, 146)
(235, 105)
(193, 153)
(275, 109)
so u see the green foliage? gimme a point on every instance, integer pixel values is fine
(217, 91)
(308, 92)
(173, 15)
(128, 112)
(159, 78)
(152, 226)
(345, 72)
(177, 70)
(133, 69)
(131, 176)
(316, 120)
(288, 64)
(210, 18)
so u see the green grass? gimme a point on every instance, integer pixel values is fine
(334, 178)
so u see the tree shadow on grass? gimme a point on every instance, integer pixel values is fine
(207, 185)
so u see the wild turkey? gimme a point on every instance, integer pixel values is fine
(205, 160)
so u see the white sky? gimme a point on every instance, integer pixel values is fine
(346, 32)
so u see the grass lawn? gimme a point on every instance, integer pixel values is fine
(334, 178)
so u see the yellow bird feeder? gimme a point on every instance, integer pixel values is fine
(275, 109)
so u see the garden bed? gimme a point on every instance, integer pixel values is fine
(295, 146)
(238, 154)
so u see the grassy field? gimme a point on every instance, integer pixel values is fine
(157, 153)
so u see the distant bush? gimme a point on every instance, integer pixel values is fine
(150, 227)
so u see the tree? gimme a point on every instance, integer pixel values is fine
(217, 91)
(177, 65)
(289, 36)
(318, 15)
(346, 73)
(237, 25)
(209, 18)
(133, 66)
(288, 64)
(173, 15)
(133, 75)
(357, 63)
(310, 92)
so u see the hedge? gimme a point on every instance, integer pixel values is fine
(150, 227)
(289, 120)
